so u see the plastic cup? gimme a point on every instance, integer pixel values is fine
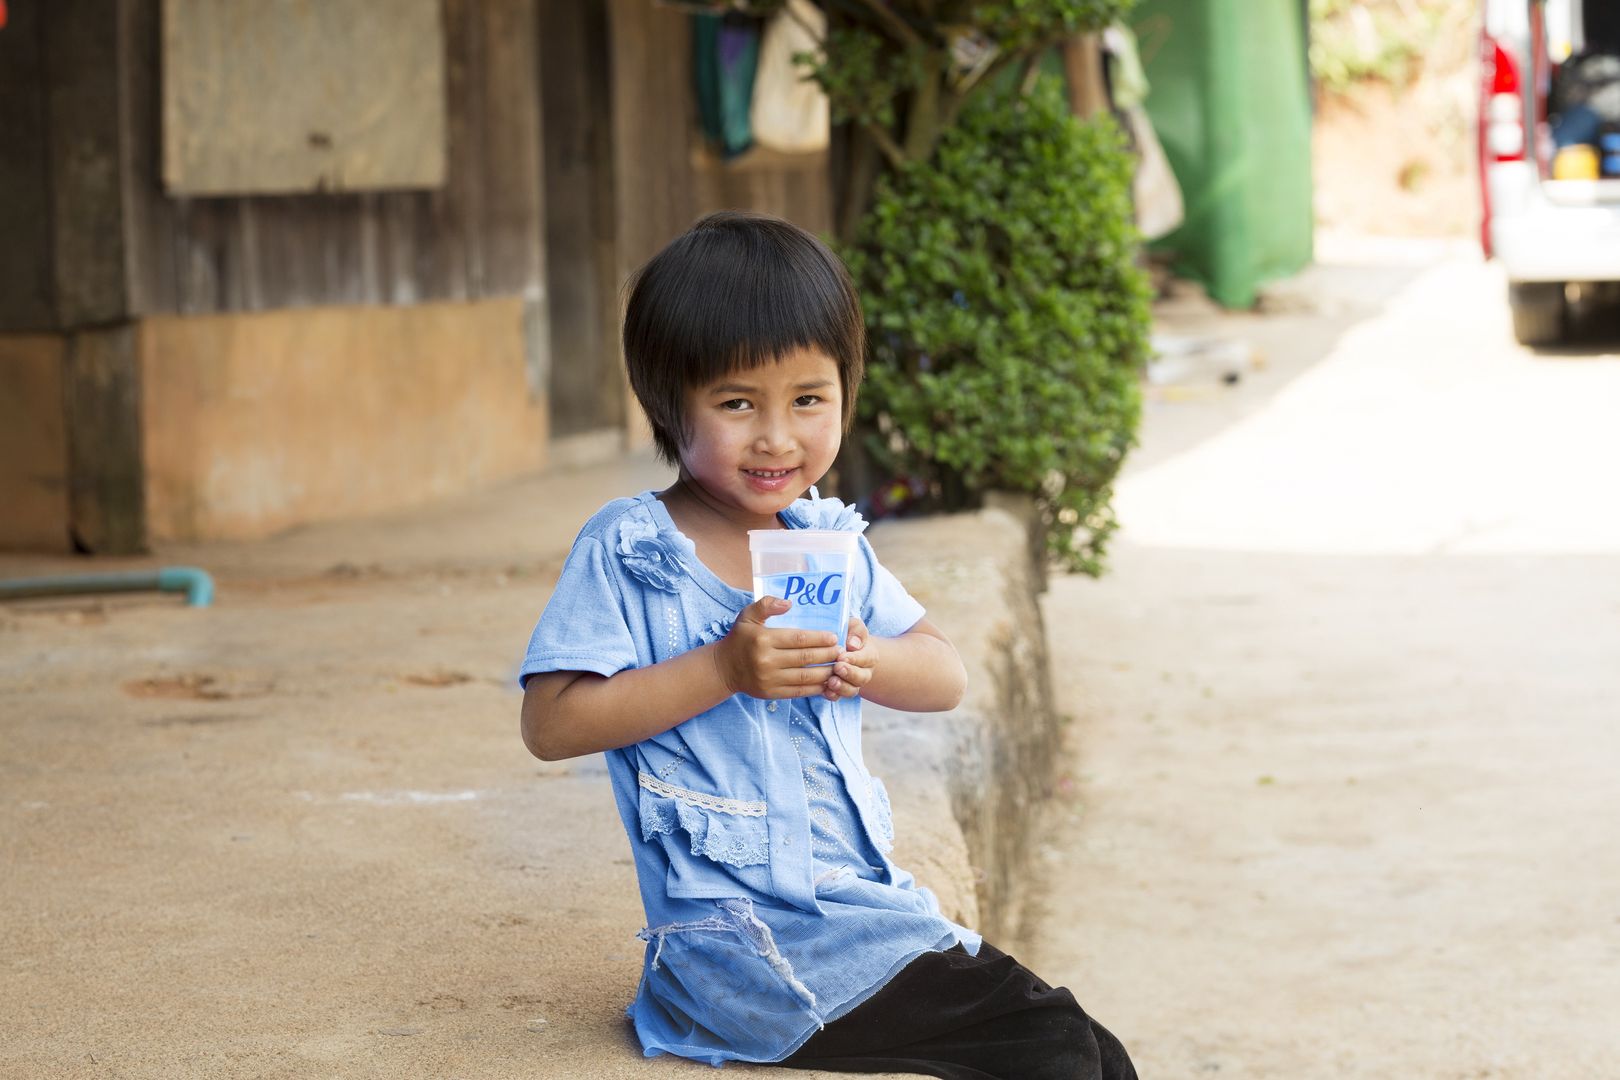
(810, 569)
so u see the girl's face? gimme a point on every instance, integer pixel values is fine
(759, 438)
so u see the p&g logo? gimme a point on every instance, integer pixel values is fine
(811, 593)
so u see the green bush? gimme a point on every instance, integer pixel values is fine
(1007, 316)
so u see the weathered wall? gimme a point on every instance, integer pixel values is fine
(229, 298)
(256, 422)
(33, 444)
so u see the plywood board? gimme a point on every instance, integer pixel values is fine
(286, 96)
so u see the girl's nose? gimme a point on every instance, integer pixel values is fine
(775, 436)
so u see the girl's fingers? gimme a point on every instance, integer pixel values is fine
(853, 673)
(855, 634)
(805, 658)
(795, 680)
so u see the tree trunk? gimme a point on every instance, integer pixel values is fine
(860, 174)
(1083, 65)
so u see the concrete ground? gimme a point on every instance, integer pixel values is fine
(296, 834)
(1341, 798)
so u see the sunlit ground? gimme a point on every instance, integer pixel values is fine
(1425, 429)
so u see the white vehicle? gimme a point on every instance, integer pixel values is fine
(1549, 149)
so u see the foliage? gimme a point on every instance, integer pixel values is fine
(1353, 42)
(1007, 317)
(900, 71)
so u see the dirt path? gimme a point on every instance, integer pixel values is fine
(1342, 793)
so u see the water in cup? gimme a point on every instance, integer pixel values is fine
(810, 569)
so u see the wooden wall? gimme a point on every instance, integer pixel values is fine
(666, 177)
(95, 238)
(479, 236)
(574, 155)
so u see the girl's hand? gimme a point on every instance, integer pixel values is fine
(854, 666)
(764, 662)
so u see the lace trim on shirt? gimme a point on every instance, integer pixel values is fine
(698, 799)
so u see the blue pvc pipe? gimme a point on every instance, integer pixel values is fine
(195, 583)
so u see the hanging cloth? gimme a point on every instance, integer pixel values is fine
(725, 56)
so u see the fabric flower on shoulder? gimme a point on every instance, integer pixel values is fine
(653, 556)
(814, 512)
(715, 631)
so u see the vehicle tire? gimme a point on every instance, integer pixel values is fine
(1538, 311)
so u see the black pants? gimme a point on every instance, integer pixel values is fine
(962, 1017)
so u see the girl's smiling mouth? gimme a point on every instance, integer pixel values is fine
(769, 479)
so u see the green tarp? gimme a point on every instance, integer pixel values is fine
(1230, 101)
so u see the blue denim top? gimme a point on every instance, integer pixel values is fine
(762, 924)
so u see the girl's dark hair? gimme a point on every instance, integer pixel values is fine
(735, 291)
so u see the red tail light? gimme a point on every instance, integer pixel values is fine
(1502, 128)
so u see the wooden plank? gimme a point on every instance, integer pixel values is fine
(584, 380)
(444, 257)
(202, 233)
(368, 288)
(399, 245)
(337, 225)
(511, 177)
(106, 473)
(82, 109)
(655, 194)
(150, 226)
(27, 288)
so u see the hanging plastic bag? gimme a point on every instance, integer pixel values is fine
(1157, 194)
(790, 111)
(1159, 208)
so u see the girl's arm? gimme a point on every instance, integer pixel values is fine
(570, 713)
(920, 669)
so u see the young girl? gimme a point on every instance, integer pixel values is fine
(778, 929)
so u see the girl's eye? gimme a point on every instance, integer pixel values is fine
(735, 405)
(806, 400)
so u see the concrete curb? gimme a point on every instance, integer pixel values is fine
(965, 783)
